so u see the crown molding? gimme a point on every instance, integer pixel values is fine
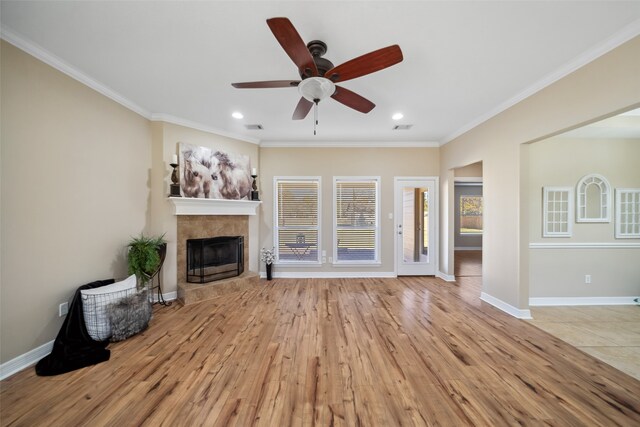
(167, 118)
(60, 65)
(349, 144)
(627, 33)
(52, 60)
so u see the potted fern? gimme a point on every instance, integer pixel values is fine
(145, 257)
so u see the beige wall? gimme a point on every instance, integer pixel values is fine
(166, 137)
(607, 85)
(75, 187)
(386, 163)
(470, 171)
(563, 162)
(561, 272)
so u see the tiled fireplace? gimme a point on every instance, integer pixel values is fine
(206, 222)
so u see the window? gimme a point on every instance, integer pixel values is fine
(471, 215)
(627, 213)
(594, 199)
(356, 220)
(557, 211)
(297, 219)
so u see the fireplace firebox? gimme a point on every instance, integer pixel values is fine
(214, 258)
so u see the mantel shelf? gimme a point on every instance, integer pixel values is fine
(193, 206)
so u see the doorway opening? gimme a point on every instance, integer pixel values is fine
(469, 221)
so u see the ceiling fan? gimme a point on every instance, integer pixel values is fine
(319, 76)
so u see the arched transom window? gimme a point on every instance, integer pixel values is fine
(593, 199)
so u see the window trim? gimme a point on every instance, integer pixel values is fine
(376, 260)
(276, 229)
(570, 212)
(581, 191)
(460, 232)
(619, 233)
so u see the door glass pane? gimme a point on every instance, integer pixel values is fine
(471, 214)
(415, 224)
(425, 221)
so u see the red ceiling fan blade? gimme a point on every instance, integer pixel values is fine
(352, 100)
(292, 43)
(266, 84)
(302, 109)
(366, 64)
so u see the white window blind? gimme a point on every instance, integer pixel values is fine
(297, 219)
(356, 220)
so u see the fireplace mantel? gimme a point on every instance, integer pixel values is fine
(193, 206)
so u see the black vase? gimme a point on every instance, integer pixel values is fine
(269, 277)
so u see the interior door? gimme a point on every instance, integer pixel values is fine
(416, 226)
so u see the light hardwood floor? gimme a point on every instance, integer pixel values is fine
(468, 263)
(385, 352)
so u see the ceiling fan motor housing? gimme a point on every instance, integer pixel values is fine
(317, 48)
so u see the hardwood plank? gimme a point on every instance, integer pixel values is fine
(406, 351)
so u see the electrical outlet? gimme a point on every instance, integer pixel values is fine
(63, 309)
(587, 278)
(324, 259)
(330, 259)
(324, 253)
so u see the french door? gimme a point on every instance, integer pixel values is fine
(416, 207)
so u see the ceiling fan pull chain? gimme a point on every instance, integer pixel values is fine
(315, 117)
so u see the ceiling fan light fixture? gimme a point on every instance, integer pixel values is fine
(316, 88)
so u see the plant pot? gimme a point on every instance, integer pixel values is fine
(269, 277)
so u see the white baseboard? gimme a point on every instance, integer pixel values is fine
(557, 301)
(31, 357)
(169, 296)
(445, 277)
(328, 274)
(25, 360)
(507, 308)
(468, 248)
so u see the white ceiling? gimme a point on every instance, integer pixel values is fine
(463, 61)
(622, 126)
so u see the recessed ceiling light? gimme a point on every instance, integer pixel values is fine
(237, 115)
(397, 116)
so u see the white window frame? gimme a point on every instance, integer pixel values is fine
(582, 202)
(460, 233)
(376, 260)
(276, 228)
(545, 212)
(620, 234)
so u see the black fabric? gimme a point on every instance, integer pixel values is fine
(74, 348)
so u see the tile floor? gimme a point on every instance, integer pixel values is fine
(609, 333)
